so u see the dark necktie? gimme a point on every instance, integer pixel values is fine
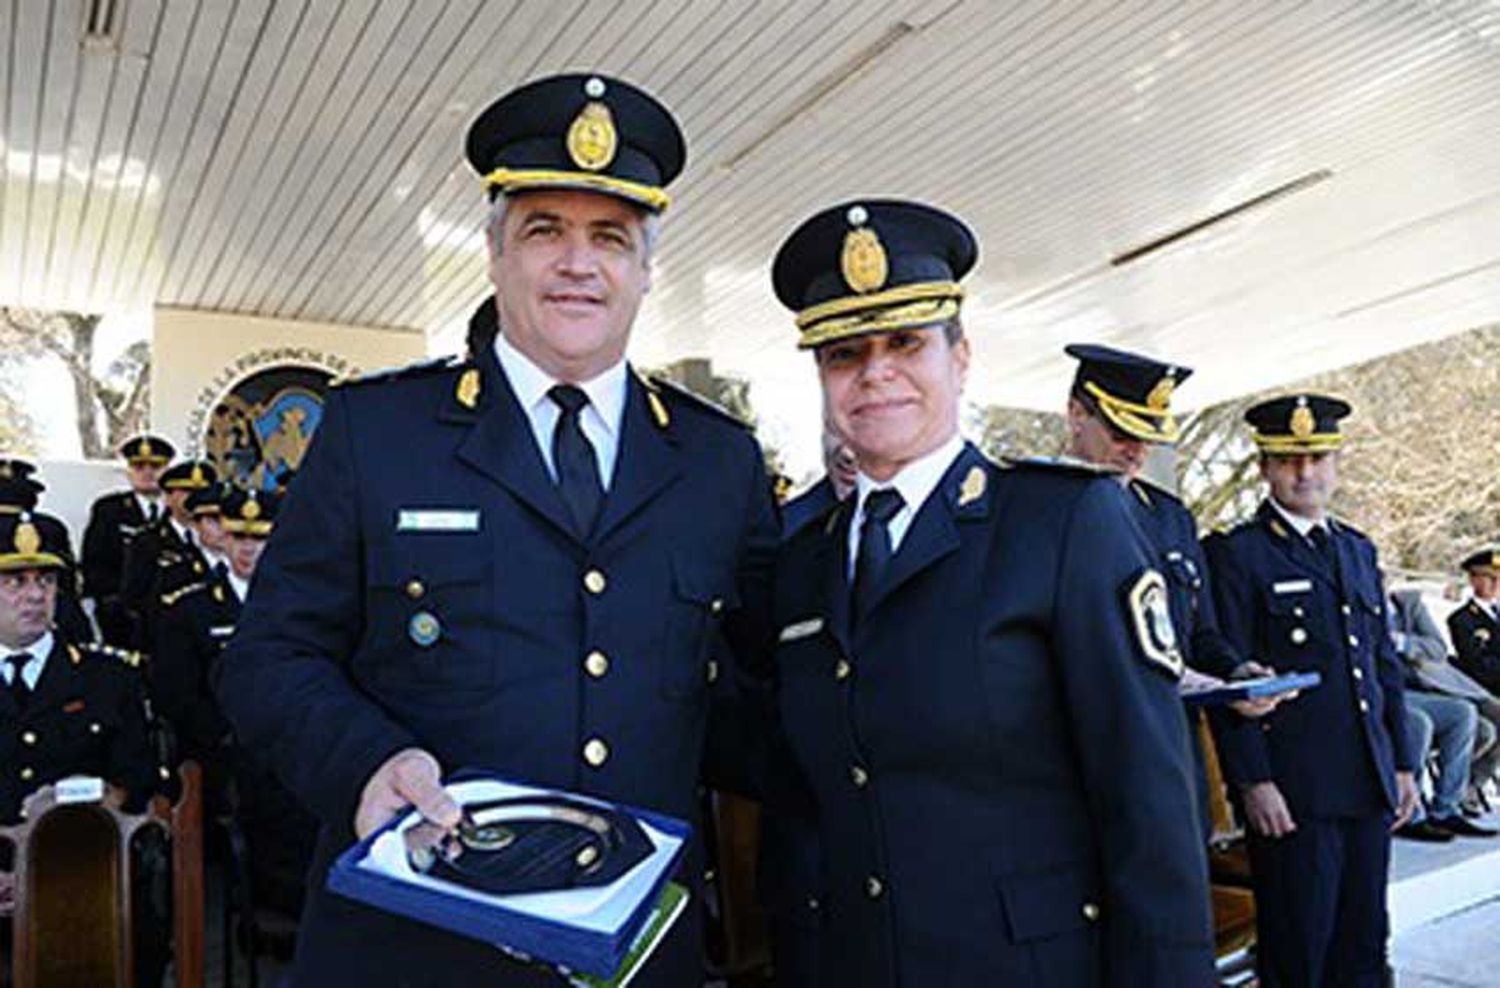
(1324, 545)
(153, 513)
(573, 456)
(221, 572)
(18, 687)
(874, 545)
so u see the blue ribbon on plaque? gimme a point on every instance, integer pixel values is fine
(543, 874)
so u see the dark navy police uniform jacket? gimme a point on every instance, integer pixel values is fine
(1333, 751)
(424, 506)
(1001, 771)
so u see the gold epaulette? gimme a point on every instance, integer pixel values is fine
(397, 373)
(657, 386)
(172, 597)
(101, 650)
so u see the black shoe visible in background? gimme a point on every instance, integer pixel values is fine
(1425, 831)
(1459, 827)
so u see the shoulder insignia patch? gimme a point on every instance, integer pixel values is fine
(1152, 622)
(466, 392)
(659, 389)
(1061, 464)
(398, 373)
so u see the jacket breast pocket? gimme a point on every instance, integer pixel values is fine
(430, 617)
(702, 593)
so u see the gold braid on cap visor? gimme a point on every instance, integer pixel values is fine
(236, 526)
(1140, 421)
(897, 308)
(1320, 442)
(12, 561)
(518, 179)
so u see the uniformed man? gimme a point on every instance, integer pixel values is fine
(167, 545)
(1119, 407)
(114, 520)
(1325, 777)
(20, 489)
(976, 665)
(518, 562)
(67, 708)
(1475, 627)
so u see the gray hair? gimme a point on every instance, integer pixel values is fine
(495, 226)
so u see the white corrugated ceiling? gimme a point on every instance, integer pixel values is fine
(303, 160)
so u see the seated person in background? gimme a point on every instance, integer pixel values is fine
(1475, 627)
(68, 708)
(19, 491)
(1452, 722)
(1421, 647)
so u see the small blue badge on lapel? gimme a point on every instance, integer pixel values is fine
(1152, 621)
(424, 628)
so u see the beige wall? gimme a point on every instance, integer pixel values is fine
(198, 356)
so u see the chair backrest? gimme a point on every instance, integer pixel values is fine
(73, 911)
(75, 920)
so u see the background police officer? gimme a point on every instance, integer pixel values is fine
(115, 519)
(519, 562)
(976, 666)
(1325, 778)
(1475, 627)
(20, 489)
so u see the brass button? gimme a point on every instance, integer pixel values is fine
(1364, 706)
(858, 776)
(1354, 641)
(596, 663)
(1347, 609)
(813, 903)
(594, 582)
(1298, 636)
(94, 728)
(716, 605)
(164, 772)
(28, 737)
(586, 856)
(874, 887)
(595, 752)
(842, 669)
(27, 774)
(713, 670)
(1298, 611)
(415, 589)
(1358, 673)
(1090, 911)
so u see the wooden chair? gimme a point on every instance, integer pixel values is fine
(75, 918)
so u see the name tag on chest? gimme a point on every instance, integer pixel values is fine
(1291, 586)
(443, 520)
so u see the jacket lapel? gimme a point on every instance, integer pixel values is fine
(501, 446)
(56, 680)
(835, 562)
(646, 462)
(1294, 546)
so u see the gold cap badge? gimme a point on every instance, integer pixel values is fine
(251, 510)
(197, 477)
(592, 139)
(1302, 422)
(28, 539)
(1160, 398)
(143, 448)
(863, 261)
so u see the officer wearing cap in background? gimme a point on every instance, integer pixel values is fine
(203, 509)
(1325, 778)
(19, 491)
(1119, 406)
(836, 484)
(67, 707)
(114, 520)
(1475, 627)
(518, 562)
(976, 668)
(168, 544)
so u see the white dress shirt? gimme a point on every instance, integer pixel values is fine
(600, 420)
(1302, 526)
(915, 482)
(32, 670)
(148, 505)
(240, 586)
